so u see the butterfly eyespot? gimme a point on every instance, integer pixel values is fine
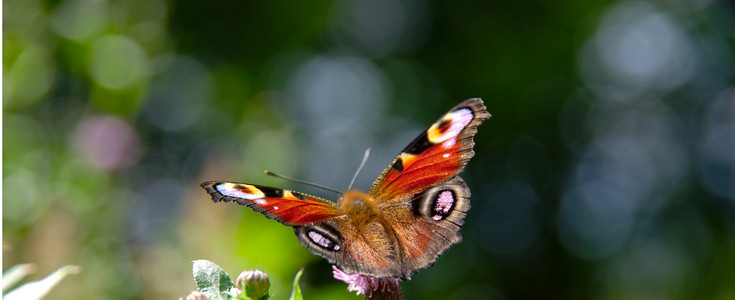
(244, 191)
(450, 126)
(443, 205)
(437, 204)
(320, 236)
(322, 241)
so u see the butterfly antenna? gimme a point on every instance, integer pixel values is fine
(362, 164)
(302, 182)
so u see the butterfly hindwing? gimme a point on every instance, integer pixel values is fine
(432, 225)
(406, 238)
(436, 155)
(288, 207)
(354, 248)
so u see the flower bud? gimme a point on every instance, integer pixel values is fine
(196, 295)
(254, 283)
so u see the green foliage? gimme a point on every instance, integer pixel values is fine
(296, 291)
(212, 280)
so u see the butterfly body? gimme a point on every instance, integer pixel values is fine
(410, 215)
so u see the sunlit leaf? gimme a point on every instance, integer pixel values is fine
(296, 292)
(211, 279)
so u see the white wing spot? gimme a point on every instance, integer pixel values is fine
(260, 202)
(458, 120)
(442, 206)
(322, 241)
(230, 190)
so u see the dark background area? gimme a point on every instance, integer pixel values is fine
(606, 172)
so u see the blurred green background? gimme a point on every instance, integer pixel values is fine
(606, 172)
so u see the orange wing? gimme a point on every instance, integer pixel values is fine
(288, 207)
(435, 156)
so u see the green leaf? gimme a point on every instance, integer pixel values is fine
(212, 280)
(38, 289)
(296, 292)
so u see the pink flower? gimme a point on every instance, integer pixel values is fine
(371, 287)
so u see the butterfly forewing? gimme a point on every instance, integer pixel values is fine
(420, 193)
(435, 156)
(288, 207)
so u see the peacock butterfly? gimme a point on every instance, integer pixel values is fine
(411, 214)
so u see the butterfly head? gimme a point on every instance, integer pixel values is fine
(359, 206)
